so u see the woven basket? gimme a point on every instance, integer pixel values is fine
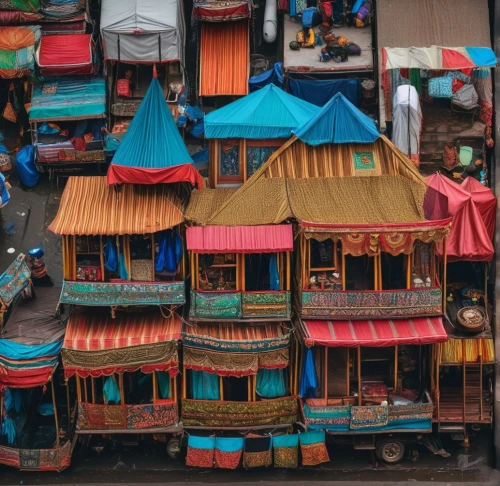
(472, 318)
(142, 270)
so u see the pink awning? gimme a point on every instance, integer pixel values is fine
(375, 333)
(240, 239)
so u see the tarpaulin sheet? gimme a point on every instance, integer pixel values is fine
(224, 58)
(376, 333)
(65, 54)
(468, 238)
(239, 239)
(320, 91)
(485, 202)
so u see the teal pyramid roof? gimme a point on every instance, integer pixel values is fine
(339, 121)
(265, 114)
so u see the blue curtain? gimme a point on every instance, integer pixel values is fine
(271, 383)
(111, 391)
(123, 267)
(12, 399)
(163, 383)
(169, 252)
(110, 255)
(308, 378)
(204, 386)
(274, 277)
(9, 430)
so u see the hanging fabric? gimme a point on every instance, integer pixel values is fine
(313, 448)
(169, 252)
(286, 450)
(9, 430)
(415, 80)
(12, 399)
(163, 383)
(228, 452)
(204, 386)
(258, 452)
(200, 451)
(110, 255)
(274, 277)
(271, 383)
(308, 378)
(111, 391)
(123, 267)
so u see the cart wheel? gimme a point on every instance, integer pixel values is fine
(390, 450)
(173, 448)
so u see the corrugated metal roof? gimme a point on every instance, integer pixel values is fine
(89, 206)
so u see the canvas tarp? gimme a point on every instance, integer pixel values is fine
(268, 113)
(468, 238)
(142, 31)
(485, 202)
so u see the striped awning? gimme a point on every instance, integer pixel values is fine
(376, 333)
(90, 207)
(96, 344)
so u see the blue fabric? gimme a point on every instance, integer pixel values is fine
(152, 140)
(18, 351)
(274, 276)
(293, 8)
(229, 444)
(3, 149)
(111, 391)
(290, 440)
(357, 6)
(265, 114)
(12, 399)
(46, 129)
(46, 409)
(9, 430)
(417, 425)
(196, 116)
(163, 383)
(308, 438)
(204, 386)
(441, 87)
(110, 254)
(169, 252)
(308, 378)
(25, 165)
(482, 56)
(339, 121)
(270, 383)
(207, 443)
(201, 157)
(74, 97)
(122, 267)
(320, 91)
(4, 192)
(271, 76)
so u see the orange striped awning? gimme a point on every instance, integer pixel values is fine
(89, 206)
(224, 58)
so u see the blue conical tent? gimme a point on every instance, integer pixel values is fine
(268, 113)
(339, 121)
(152, 150)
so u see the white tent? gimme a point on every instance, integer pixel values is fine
(407, 120)
(143, 31)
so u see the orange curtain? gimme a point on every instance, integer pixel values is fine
(224, 58)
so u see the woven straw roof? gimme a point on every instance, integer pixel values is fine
(89, 206)
(202, 204)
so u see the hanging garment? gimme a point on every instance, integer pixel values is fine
(228, 452)
(110, 255)
(271, 383)
(258, 452)
(9, 430)
(111, 391)
(313, 448)
(200, 451)
(169, 252)
(163, 383)
(308, 378)
(12, 399)
(274, 277)
(286, 452)
(204, 386)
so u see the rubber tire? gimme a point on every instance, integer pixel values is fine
(173, 448)
(382, 453)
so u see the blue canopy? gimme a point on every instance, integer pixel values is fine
(339, 121)
(265, 114)
(68, 99)
(152, 150)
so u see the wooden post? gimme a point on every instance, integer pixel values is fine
(155, 387)
(395, 368)
(360, 401)
(93, 388)
(85, 390)
(122, 389)
(375, 273)
(347, 390)
(173, 384)
(480, 379)
(221, 388)
(184, 383)
(288, 269)
(380, 271)
(197, 270)
(55, 410)
(408, 271)
(336, 255)
(296, 369)
(437, 364)
(249, 388)
(444, 276)
(464, 385)
(325, 377)
(193, 276)
(254, 388)
(68, 405)
(433, 264)
(101, 257)
(242, 263)
(78, 389)
(343, 271)
(153, 254)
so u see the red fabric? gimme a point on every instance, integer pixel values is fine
(26, 378)
(468, 239)
(376, 333)
(485, 202)
(118, 174)
(240, 239)
(172, 368)
(123, 88)
(456, 84)
(222, 14)
(65, 54)
(453, 59)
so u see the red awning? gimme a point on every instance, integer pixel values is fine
(240, 239)
(376, 333)
(65, 54)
